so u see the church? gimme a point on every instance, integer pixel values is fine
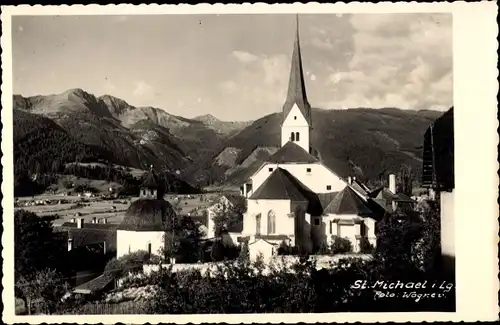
(294, 197)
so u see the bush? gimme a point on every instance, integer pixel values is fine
(366, 247)
(340, 245)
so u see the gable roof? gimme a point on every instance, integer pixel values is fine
(347, 202)
(383, 193)
(281, 185)
(292, 153)
(95, 285)
(90, 234)
(296, 86)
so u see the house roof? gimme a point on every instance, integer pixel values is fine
(383, 193)
(292, 153)
(360, 187)
(296, 86)
(148, 215)
(347, 202)
(95, 285)
(90, 234)
(438, 153)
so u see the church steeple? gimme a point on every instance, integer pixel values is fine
(296, 124)
(296, 86)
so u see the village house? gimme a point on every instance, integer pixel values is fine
(90, 246)
(439, 177)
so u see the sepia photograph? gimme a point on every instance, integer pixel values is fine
(252, 163)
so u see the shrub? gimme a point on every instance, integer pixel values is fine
(340, 245)
(366, 247)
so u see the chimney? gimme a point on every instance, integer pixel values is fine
(79, 223)
(94, 220)
(392, 183)
(70, 244)
(349, 180)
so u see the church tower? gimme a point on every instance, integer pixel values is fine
(296, 124)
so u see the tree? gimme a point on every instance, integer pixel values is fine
(133, 262)
(45, 287)
(406, 178)
(182, 240)
(397, 235)
(340, 245)
(228, 214)
(37, 246)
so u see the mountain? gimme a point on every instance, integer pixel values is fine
(135, 136)
(221, 127)
(370, 141)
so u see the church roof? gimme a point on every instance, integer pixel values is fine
(347, 202)
(148, 215)
(150, 181)
(296, 86)
(281, 185)
(292, 153)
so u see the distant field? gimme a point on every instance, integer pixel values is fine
(66, 211)
(104, 209)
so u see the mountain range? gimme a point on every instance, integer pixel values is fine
(78, 126)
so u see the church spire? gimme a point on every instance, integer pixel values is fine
(296, 86)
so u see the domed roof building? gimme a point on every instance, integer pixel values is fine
(146, 221)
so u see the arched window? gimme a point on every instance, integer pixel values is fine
(271, 222)
(143, 192)
(257, 224)
(292, 137)
(297, 137)
(152, 192)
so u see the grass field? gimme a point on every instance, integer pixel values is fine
(114, 210)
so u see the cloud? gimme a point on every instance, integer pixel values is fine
(399, 60)
(142, 89)
(244, 57)
(260, 83)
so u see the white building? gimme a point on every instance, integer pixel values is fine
(297, 198)
(144, 226)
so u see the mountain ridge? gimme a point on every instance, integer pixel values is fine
(140, 136)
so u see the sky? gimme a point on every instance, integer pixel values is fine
(236, 67)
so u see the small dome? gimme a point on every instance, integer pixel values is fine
(148, 215)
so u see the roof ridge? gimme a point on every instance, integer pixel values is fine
(282, 181)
